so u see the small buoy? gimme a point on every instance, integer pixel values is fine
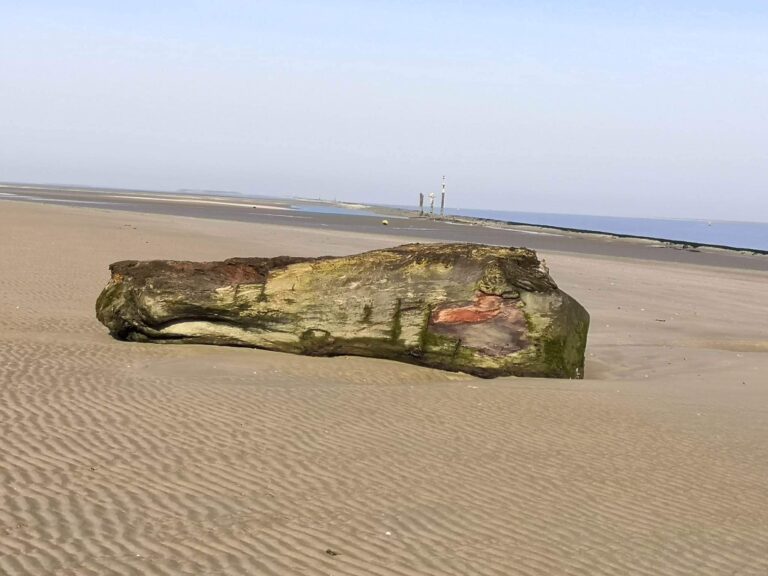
(385, 222)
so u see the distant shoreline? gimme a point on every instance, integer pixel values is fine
(475, 220)
(280, 203)
(683, 244)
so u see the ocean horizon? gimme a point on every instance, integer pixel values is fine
(737, 235)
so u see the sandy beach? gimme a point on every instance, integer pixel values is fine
(138, 459)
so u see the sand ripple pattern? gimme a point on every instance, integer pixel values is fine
(108, 469)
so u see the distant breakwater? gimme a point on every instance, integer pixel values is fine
(687, 234)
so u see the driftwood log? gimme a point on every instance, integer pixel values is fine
(484, 310)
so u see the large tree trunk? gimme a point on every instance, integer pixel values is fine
(485, 310)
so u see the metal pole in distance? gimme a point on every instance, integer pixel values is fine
(442, 199)
(432, 204)
(421, 204)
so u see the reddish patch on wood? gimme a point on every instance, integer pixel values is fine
(492, 325)
(482, 309)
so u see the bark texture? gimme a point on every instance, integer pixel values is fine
(485, 310)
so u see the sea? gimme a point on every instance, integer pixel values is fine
(742, 235)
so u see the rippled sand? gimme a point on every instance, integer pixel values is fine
(121, 459)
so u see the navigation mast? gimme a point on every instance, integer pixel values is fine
(442, 199)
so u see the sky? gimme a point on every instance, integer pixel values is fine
(656, 109)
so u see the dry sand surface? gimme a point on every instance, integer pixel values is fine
(121, 458)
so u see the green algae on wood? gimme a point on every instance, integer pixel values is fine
(484, 310)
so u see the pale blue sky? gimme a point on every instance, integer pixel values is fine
(640, 109)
